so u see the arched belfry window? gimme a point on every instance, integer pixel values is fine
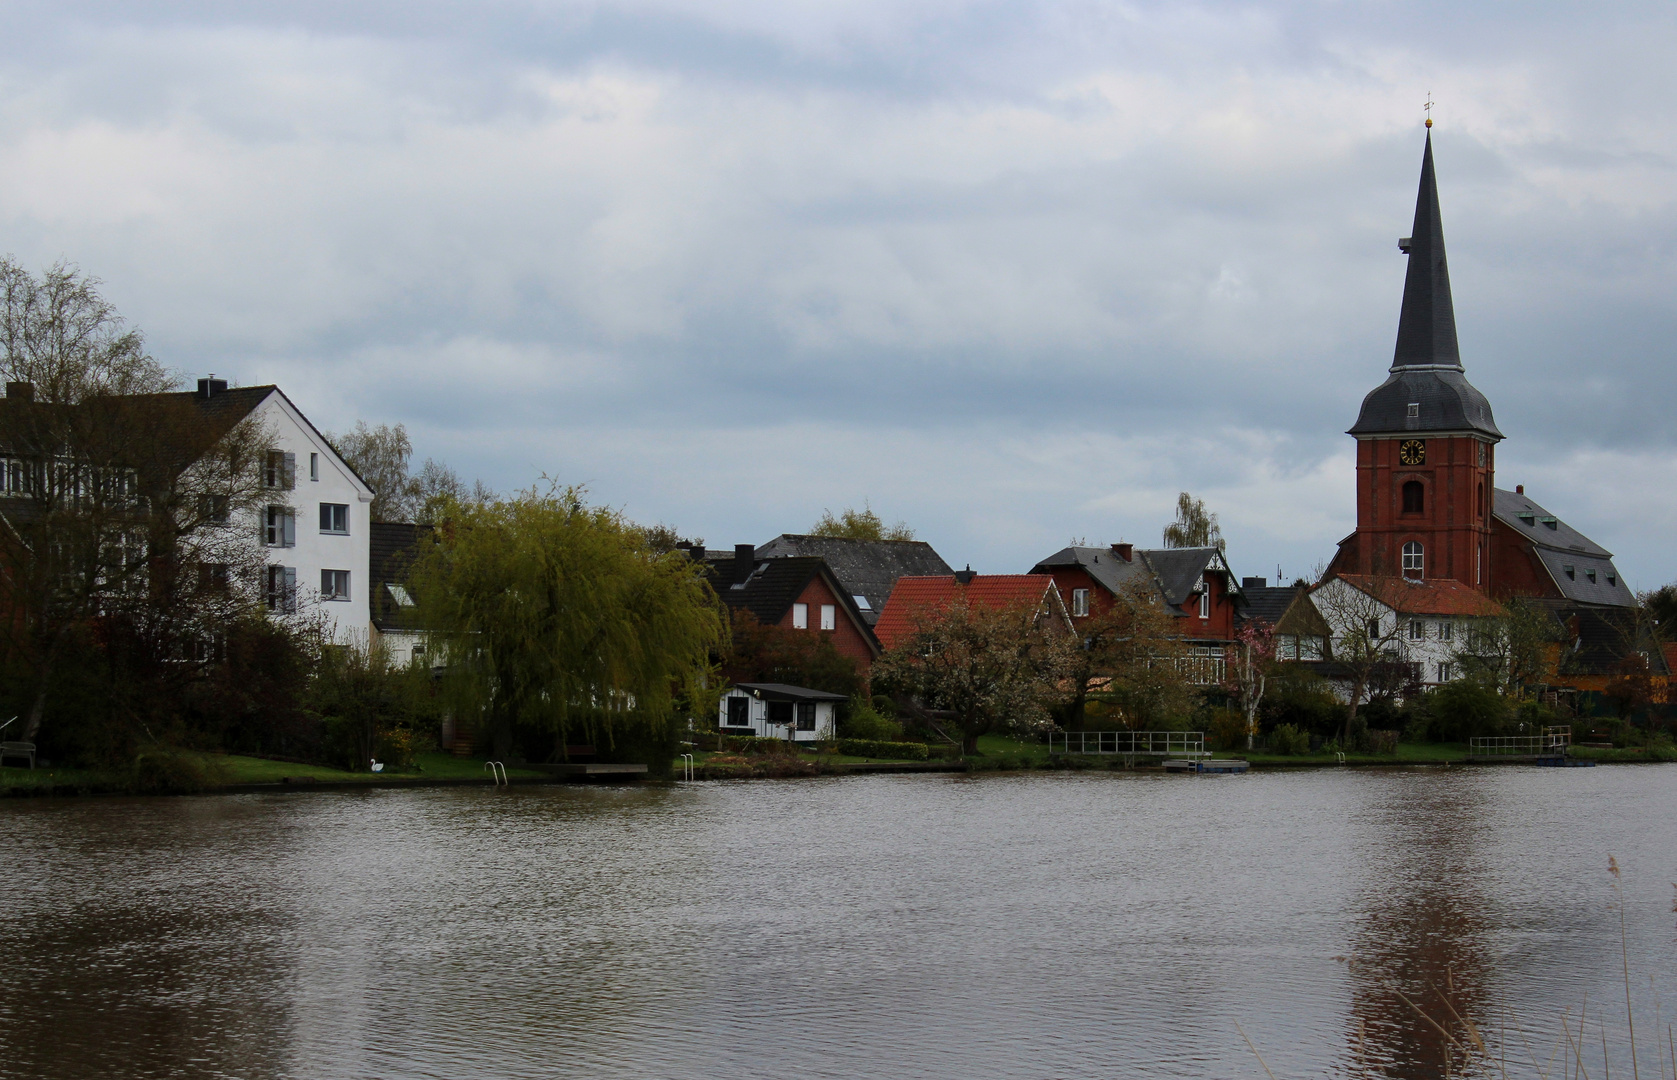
(1414, 498)
(1414, 560)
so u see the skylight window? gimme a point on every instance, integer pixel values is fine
(400, 595)
(862, 603)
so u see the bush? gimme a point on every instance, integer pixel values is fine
(171, 772)
(1227, 729)
(912, 751)
(1289, 739)
(756, 744)
(863, 720)
(1303, 700)
(1463, 710)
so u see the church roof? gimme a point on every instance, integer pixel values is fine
(1581, 569)
(1427, 389)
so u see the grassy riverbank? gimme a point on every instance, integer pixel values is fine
(220, 771)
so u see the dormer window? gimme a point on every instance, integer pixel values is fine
(1612, 579)
(1414, 409)
(1527, 518)
(1590, 573)
(1570, 572)
(1551, 523)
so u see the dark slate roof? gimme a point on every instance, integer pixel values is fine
(1426, 367)
(774, 691)
(1560, 546)
(391, 550)
(1269, 602)
(768, 587)
(865, 568)
(1179, 570)
(1596, 639)
(1173, 571)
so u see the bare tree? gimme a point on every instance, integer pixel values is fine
(1509, 650)
(380, 455)
(1366, 636)
(1133, 657)
(1194, 525)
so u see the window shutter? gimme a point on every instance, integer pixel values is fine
(290, 471)
(290, 520)
(290, 602)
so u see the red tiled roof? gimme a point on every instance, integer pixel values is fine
(1432, 596)
(1670, 650)
(913, 595)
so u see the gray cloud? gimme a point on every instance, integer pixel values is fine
(1015, 272)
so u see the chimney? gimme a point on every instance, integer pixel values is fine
(210, 387)
(22, 391)
(745, 559)
(964, 577)
(1254, 583)
(1124, 551)
(1519, 489)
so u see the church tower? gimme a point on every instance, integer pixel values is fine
(1426, 442)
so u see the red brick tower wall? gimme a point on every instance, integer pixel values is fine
(1454, 525)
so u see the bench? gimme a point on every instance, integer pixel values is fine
(17, 749)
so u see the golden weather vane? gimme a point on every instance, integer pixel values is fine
(1428, 107)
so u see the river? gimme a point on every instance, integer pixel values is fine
(1030, 925)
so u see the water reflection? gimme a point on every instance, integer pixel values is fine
(1422, 930)
(1000, 926)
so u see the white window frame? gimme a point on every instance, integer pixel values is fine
(334, 585)
(829, 618)
(1446, 631)
(280, 589)
(1444, 671)
(800, 616)
(1417, 630)
(1205, 603)
(1414, 559)
(328, 515)
(314, 467)
(279, 527)
(1079, 603)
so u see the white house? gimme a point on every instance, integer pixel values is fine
(778, 711)
(1421, 622)
(317, 523)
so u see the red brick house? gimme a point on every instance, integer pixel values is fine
(797, 593)
(915, 596)
(1195, 584)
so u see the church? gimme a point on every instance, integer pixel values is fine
(1438, 546)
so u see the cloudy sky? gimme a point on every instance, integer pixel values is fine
(1015, 273)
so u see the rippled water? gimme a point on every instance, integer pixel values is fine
(927, 926)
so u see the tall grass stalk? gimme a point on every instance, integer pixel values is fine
(1624, 956)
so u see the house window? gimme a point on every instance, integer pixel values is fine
(280, 589)
(279, 527)
(419, 652)
(1414, 497)
(1414, 559)
(334, 518)
(1443, 671)
(280, 470)
(806, 716)
(1286, 647)
(780, 712)
(334, 584)
(1612, 579)
(314, 466)
(800, 616)
(1311, 647)
(739, 712)
(1205, 605)
(1417, 630)
(1374, 629)
(1080, 602)
(213, 577)
(829, 617)
(1590, 573)
(1446, 631)
(1570, 572)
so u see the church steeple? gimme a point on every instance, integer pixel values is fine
(1427, 324)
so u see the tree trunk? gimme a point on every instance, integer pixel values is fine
(969, 744)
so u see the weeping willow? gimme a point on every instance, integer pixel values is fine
(559, 616)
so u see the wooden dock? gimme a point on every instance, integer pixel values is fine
(1208, 765)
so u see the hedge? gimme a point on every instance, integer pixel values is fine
(913, 751)
(755, 744)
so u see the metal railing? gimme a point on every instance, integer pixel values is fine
(497, 773)
(1132, 743)
(1552, 742)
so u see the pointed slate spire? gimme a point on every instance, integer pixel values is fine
(1427, 325)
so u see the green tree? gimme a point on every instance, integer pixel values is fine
(381, 455)
(993, 669)
(1131, 656)
(863, 524)
(1194, 525)
(1509, 650)
(554, 616)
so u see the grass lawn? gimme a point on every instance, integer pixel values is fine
(231, 770)
(1407, 754)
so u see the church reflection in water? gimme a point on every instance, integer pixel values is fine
(1421, 935)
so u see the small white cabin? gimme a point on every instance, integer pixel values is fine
(778, 711)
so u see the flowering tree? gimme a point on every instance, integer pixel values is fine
(1247, 670)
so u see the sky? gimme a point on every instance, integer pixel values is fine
(1013, 273)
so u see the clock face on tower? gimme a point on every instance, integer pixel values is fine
(1413, 452)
